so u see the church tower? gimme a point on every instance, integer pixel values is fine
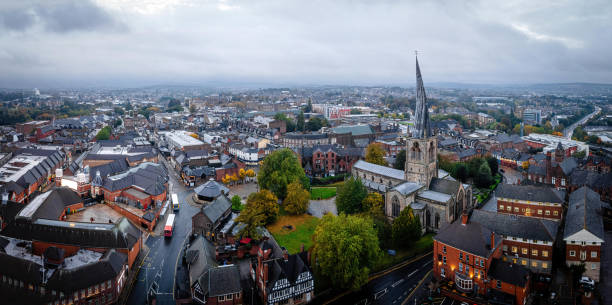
(422, 146)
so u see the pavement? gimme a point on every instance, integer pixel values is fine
(399, 286)
(162, 261)
(318, 208)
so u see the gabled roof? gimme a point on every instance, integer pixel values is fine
(217, 208)
(508, 272)
(407, 188)
(517, 226)
(449, 187)
(529, 193)
(221, 280)
(149, 177)
(379, 169)
(107, 268)
(471, 237)
(584, 213)
(288, 269)
(568, 165)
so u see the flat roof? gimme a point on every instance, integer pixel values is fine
(18, 166)
(182, 138)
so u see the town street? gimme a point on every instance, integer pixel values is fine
(395, 287)
(160, 263)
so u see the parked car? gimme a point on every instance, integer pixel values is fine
(587, 283)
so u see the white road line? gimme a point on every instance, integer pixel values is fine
(380, 294)
(412, 273)
(397, 283)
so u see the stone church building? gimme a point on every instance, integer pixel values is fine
(433, 195)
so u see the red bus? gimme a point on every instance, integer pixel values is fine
(169, 226)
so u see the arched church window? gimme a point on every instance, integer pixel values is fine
(431, 151)
(395, 207)
(437, 221)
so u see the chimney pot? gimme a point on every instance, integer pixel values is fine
(464, 217)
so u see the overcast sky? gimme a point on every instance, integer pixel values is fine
(72, 43)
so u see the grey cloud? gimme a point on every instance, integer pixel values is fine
(17, 20)
(60, 16)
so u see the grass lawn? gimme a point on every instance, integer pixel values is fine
(322, 193)
(337, 184)
(423, 245)
(301, 233)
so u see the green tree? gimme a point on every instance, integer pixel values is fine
(474, 166)
(236, 203)
(314, 124)
(260, 203)
(400, 160)
(345, 249)
(373, 204)
(483, 177)
(300, 121)
(192, 109)
(461, 172)
(383, 231)
(406, 228)
(297, 199)
(251, 221)
(279, 169)
(493, 165)
(117, 123)
(104, 133)
(288, 121)
(375, 154)
(355, 111)
(350, 195)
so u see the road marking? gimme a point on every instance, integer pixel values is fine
(380, 294)
(415, 290)
(412, 273)
(397, 283)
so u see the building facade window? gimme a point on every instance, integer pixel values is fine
(498, 284)
(572, 253)
(593, 254)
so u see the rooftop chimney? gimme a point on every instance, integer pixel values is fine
(464, 217)
(492, 240)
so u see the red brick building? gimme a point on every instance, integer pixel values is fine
(468, 259)
(328, 160)
(532, 201)
(584, 231)
(527, 241)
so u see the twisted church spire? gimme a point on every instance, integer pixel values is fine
(422, 127)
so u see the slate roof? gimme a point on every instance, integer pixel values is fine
(445, 186)
(217, 208)
(508, 273)
(537, 170)
(221, 280)
(517, 226)
(149, 177)
(289, 269)
(471, 237)
(53, 203)
(211, 189)
(584, 212)
(120, 235)
(309, 136)
(355, 130)
(568, 165)
(200, 258)
(379, 169)
(466, 153)
(529, 193)
(591, 179)
(434, 196)
(407, 188)
(107, 268)
(115, 167)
